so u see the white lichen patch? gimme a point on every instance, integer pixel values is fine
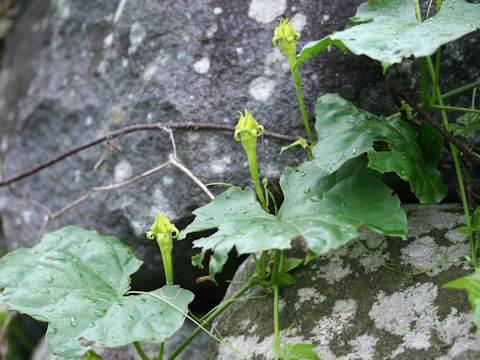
(409, 313)
(63, 9)
(310, 295)
(150, 70)
(265, 11)
(123, 171)
(332, 272)
(327, 328)
(251, 347)
(202, 66)
(276, 62)
(262, 88)
(424, 253)
(363, 348)
(349, 305)
(138, 32)
(454, 326)
(299, 21)
(442, 219)
(455, 237)
(217, 11)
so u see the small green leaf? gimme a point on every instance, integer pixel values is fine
(465, 125)
(76, 280)
(293, 263)
(298, 351)
(388, 31)
(325, 210)
(471, 283)
(301, 142)
(345, 132)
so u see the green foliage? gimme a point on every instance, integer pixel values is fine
(325, 210)
(298, 351)
(465, 124)
(389, 31)
(76, 280)
(346, 132)
(471, 283)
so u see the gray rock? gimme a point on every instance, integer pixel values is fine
(353, 308)
(197, 349)
(76, 70)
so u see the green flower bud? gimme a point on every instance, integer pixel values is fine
(164, 231)
(285, 36)
(247, 127)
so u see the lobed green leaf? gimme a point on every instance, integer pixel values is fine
(345, 132)
(76, 280)
(388, 30)
(324, 210)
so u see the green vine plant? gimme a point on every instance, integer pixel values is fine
(78, 280)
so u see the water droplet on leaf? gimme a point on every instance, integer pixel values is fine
(73, 321)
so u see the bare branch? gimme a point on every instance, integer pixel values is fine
(129, 129)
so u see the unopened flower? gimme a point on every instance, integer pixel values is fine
(285, 36)
(247, 128)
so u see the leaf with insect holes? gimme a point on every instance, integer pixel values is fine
(471, 283)
(325, 210)
(346, 131)
(388, 30)
(76, 280)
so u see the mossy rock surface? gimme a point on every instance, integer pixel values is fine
(354, 308)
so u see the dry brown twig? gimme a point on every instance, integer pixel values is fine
(172, 161)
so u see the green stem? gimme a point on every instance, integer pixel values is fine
(454, 108)
(458, 170)
(461, 89)
(140, 351)
(167, 266)
(252, 162)
(263, 264)
(209, 320)
(438, 59)
(276, 345)
(160, 351)
(439, 5)
(424, 81)
(418, 14)
(298, 85)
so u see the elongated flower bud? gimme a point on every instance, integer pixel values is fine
(164, 231)
(285, 36)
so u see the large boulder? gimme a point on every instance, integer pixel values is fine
(77, 70)
(352, 307)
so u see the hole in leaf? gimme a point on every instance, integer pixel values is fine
(381, 146)
(129, 253)
(85, 342)
(1, 289)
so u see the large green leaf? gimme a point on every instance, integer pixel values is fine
(75, 280)
(471, 283)
(388, 31)
(325, 210)
(345, 132)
